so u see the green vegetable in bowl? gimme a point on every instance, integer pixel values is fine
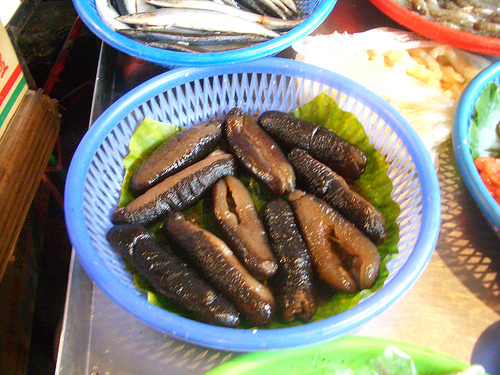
(484, 138)
(484, 133)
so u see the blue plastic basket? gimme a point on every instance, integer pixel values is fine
(461, 125)
(317, 11)
(185, 96)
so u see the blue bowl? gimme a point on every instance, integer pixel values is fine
(317, 11)
(461, 125)
(184, 96)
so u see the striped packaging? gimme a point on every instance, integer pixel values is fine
(13, 84)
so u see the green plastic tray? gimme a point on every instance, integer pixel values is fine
(351, 351)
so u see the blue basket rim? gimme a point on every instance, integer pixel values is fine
(89, 16)
(461, 144)
(239, 339)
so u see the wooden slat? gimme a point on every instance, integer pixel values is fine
(25, 148)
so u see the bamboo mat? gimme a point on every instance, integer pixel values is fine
(25, 148)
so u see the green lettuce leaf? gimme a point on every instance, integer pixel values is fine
(484, 136)
(147, 137)
(374, 185)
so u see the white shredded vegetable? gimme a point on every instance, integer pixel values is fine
(422, 79)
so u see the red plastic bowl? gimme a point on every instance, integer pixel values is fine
(435, 31)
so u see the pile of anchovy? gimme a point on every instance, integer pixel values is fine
(200, 25)
(474, 16)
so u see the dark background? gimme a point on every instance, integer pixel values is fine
(40, 31)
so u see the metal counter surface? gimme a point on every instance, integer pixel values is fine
(456, 299)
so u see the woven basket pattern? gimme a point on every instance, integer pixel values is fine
(199, 96)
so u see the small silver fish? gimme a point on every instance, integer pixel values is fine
(272, 8)
(284, 8)
(174, 46)
(290, 4)
(198, 19)
(132, 6)
(193, 39)
(108, 13)
(252, 6)
(270, 22)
